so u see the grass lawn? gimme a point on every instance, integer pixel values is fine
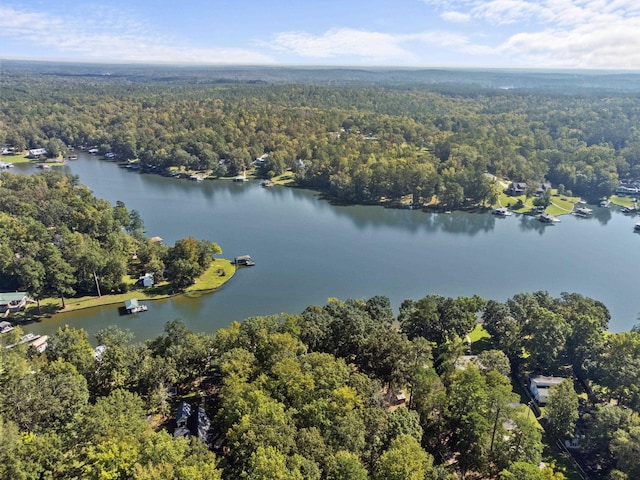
(217, 274)
(220, 271)
(480, 340)
(623, 201)
(285, 179)
(20, 158)
(560, 204)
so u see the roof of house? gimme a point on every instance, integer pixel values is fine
(7, 297)
(542, 381)
(184, 412)
(129, 304)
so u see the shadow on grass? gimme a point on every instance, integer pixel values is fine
(484, 343)
(34, 314)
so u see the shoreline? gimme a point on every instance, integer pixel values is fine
(51, 306)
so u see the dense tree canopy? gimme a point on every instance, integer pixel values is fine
(57, 239)
(358, 143)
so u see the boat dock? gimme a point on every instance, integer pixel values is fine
(243, 261)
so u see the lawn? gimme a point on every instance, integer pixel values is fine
(560, 204)
(21, 158)
(219, 272)
(623, 201)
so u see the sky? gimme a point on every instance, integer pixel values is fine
(570, 34)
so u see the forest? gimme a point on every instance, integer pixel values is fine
(357, 142)
(345, 390)
(342, 391)
(58, 240)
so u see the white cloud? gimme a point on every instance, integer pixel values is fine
(455, 17)
(343, 42)
(110, 35)
(554, 33)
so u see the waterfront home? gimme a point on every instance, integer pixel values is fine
(146, 280)
(542, 189)
(516, 188)
(539, 387)
(37, 153)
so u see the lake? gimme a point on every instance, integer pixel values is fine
(308, 250)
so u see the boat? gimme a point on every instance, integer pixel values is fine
(636, 228)
(4, 165)
(5, 327)
(72, 157)
(548, 218)
(243, 261)
(267, 183)
(628, 210)
(502, 212)
(583, 212)
(604, 203)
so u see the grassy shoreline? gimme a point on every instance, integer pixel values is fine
(219, 272)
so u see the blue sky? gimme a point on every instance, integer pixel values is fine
(601, 34)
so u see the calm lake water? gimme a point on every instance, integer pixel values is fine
(308, 250)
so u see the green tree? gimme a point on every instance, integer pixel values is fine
(72, 345)
(404, 460)
(561, 411)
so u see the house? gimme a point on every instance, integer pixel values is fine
(37, 152)
(182, 419)
(542, 188)
(146, 280)
(12, 301)
(192, 422)
(539, 387)
(516, 188)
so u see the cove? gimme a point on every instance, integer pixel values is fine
(308, 250)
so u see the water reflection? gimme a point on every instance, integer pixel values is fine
(308, 250)
(531, 223)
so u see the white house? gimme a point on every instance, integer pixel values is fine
(539, 387)
(146, 280)
(37, 152)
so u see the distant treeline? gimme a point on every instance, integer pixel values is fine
(359, 143)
